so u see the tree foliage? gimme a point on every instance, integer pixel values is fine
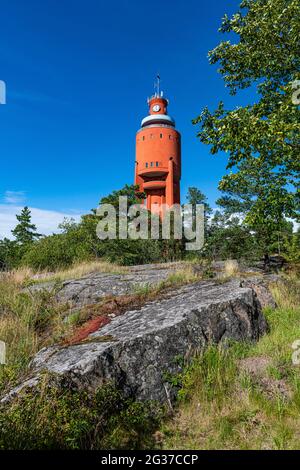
(262, 139)
(25, 231)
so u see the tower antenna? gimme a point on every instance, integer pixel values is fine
(157, 85)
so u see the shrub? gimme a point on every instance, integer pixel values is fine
(63, 418)
(54, 252)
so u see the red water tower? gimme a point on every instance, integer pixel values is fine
(158, 155)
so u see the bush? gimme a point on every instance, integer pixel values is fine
(130, 252)
(10, 254)
(55, 252)
(55, 418)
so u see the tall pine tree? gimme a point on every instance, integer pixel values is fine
(25, 231)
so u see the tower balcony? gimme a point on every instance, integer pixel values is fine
(153, 171)
(154, 185)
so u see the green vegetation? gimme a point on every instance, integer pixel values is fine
(226, 237)
(262, 139)
(63, 418)
(242, 396)
(27, 323)
(79, 243)
(246, 396)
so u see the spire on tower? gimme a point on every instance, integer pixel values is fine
(158, 93)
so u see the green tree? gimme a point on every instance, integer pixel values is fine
(25, 232)
(57, 251)
(292, 247)
(196, 196)
(248, 193)
(230, 239)
(134, 196)
(262, 139)
(9, 254)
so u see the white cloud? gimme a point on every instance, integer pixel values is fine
(296, 225)
(46, 221)
(14, 197)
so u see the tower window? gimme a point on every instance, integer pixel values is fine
(146, 165)
(151, 164)
(143, 137)
(157, 164)
(160, 136)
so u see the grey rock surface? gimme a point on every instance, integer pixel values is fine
(138, 348)
(260, 287)
(92, 288)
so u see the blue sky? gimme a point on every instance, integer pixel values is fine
(78, 75)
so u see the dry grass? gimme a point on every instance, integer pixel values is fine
(231, 267)
(183, 275)
(83, 269)
(79, 270)
(17, 276)
(23, 275)
(27, 323)
(287, 293)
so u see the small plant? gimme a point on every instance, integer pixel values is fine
(182, 276)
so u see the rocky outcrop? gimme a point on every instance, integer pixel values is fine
(260, 287)
(137, 350)
(92, 288)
